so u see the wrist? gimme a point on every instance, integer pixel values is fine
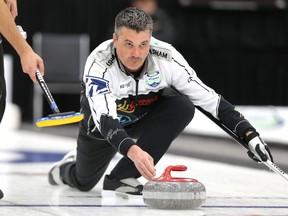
(23, 49)
(249, 135)
(133, 151)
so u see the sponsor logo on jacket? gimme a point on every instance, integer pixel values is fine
(129, 106)
(125, 85)
(159, 53)
(153, 79)
(124, 119)
(111, 60)
(96, 86)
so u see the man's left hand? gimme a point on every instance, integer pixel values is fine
(259, 150)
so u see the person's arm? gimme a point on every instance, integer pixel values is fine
(142, 161)
(30, 61)
(259, 150)
(116, 135)
(187, 82)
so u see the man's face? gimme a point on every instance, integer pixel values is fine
(132, 48)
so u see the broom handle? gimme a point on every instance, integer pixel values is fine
(267, 163)
(47, 93)
(41, 81)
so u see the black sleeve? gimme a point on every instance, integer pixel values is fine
(115, 134)
(233, 119)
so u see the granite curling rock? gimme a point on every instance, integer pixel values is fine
(167, 192)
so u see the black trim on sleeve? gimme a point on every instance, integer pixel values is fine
(115, 134)
(233, 119)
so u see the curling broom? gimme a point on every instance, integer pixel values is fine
(233, 135)
(57, 118)
(272, 166)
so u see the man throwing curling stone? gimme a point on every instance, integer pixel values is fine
(126, 111)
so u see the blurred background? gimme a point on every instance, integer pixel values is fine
(239, 48)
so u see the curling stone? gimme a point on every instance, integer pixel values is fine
(167, 192)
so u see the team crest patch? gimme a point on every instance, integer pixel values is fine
(96, 86)
(153, 79)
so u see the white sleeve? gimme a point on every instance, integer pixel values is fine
(186, 81)
(99, 91)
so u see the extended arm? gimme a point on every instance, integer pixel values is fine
(112, 130)
(30, 61)
(234, 120)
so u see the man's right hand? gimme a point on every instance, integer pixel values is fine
(143, 162)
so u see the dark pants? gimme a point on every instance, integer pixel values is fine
(154, 134)
(2, 83)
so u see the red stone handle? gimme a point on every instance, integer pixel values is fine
(166, 176)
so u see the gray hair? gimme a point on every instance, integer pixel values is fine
(133, 18)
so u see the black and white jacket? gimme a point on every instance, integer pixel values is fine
(117, 98)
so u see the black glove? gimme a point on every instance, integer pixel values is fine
(259, 150)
